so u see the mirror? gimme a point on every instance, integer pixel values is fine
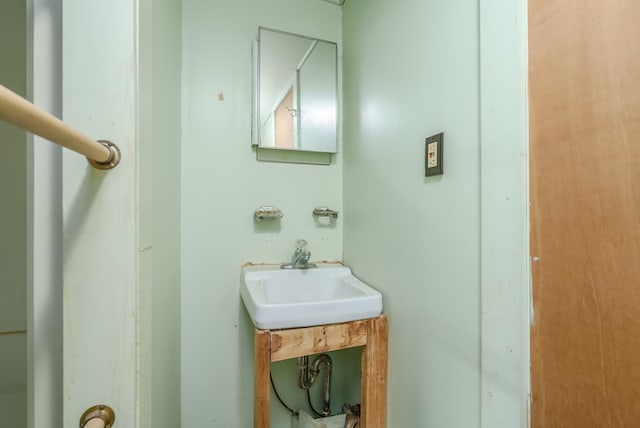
(297, 93)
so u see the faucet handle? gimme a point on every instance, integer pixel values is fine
(301, 244)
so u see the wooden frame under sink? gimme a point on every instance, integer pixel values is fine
(276, 345)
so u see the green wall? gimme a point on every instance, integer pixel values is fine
(159, 198)
(411, 71)
(222, 186)
(449, 253)
(13, 253)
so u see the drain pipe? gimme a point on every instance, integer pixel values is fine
(305, 381)
(326, 384)
(303, 373)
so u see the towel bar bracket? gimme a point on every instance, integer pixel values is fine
(114, 157)
(102, 412)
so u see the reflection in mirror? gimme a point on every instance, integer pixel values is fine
(297, 92)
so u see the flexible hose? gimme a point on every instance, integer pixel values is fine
(313, 409)
(273, 385)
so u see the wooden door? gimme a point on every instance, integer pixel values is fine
(585, 212)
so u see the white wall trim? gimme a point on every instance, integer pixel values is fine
(505, 263)
(100, 212)
(44, 220)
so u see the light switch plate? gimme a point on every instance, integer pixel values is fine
(434, 155)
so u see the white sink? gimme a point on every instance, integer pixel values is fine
(287, 298)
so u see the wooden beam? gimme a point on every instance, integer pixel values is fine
(374, 375)
(261, 381)
(286, 344)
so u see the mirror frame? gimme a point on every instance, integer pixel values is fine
(256, 122)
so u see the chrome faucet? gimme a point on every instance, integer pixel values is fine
(300, 258)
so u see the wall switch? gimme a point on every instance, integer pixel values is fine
(433, 155)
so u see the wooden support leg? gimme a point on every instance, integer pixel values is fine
(374, 375)
(261, 381)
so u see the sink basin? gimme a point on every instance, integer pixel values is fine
(288, 298)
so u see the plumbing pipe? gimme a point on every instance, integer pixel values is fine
(307, 377)
(326, 384)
